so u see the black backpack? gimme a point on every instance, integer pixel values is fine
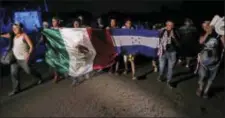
(8, 56)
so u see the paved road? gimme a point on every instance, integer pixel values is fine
(113, 96)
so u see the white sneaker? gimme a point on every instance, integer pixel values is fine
(87, 76)
(179, 61)
(116, 74)
(125, 72)
(134, 78)
(187, 66)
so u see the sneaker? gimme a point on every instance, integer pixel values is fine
(179, 61)
(13, 92)
(75, 82)
(99, 70)
(169, 84)
(199, 93)
(39, 82)
(87, 76)
(116, 73)
(205, 96)
(187, 66)
(125, 72)
(134, 78)
(160, 78)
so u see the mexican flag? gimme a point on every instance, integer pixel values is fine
(78, 51)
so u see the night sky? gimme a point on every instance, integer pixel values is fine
(195, 9)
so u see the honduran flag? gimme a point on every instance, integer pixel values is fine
(78, 51)
(142, 42)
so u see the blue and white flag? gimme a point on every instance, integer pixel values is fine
(144, 42)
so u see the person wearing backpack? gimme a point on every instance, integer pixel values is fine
(21, 48)
(208, 59)
(189, 38)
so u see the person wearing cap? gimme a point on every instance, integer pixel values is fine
(22, 48)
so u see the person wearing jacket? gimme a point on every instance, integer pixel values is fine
(189, 38)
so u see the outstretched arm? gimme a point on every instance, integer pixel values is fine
(7, 35)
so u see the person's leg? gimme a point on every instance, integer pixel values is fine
(162, 63)
(202, 74)
(117, 67)
(125, 59)
(24, 65)
(55, 76)
(154, 65)
(171, 62)
(188, 59)
(14, 70)
(212, 76)
(111, 69)
(131, 60)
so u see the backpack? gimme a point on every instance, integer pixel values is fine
(209, 56)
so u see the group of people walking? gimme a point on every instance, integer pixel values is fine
(181, 45)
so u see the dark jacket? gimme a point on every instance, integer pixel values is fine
(188, 38)
(174, 46)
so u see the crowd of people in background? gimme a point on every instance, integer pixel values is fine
(180, 45)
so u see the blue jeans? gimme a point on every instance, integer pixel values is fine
(171, 57)
(205, 73)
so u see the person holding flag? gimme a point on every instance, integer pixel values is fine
(129, 57)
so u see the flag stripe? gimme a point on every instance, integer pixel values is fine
(56, 55)
(79, 63)
(102, 42)
(130, 32)
(136, 41)
(135, 49)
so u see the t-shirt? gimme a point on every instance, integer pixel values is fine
(124, 27)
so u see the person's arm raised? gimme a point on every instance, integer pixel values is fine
(222, 38)
(203, 38)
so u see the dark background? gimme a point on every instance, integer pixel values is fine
(143, 10)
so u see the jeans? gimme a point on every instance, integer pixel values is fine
(15, 67)
(209, 74)
(171, 57)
